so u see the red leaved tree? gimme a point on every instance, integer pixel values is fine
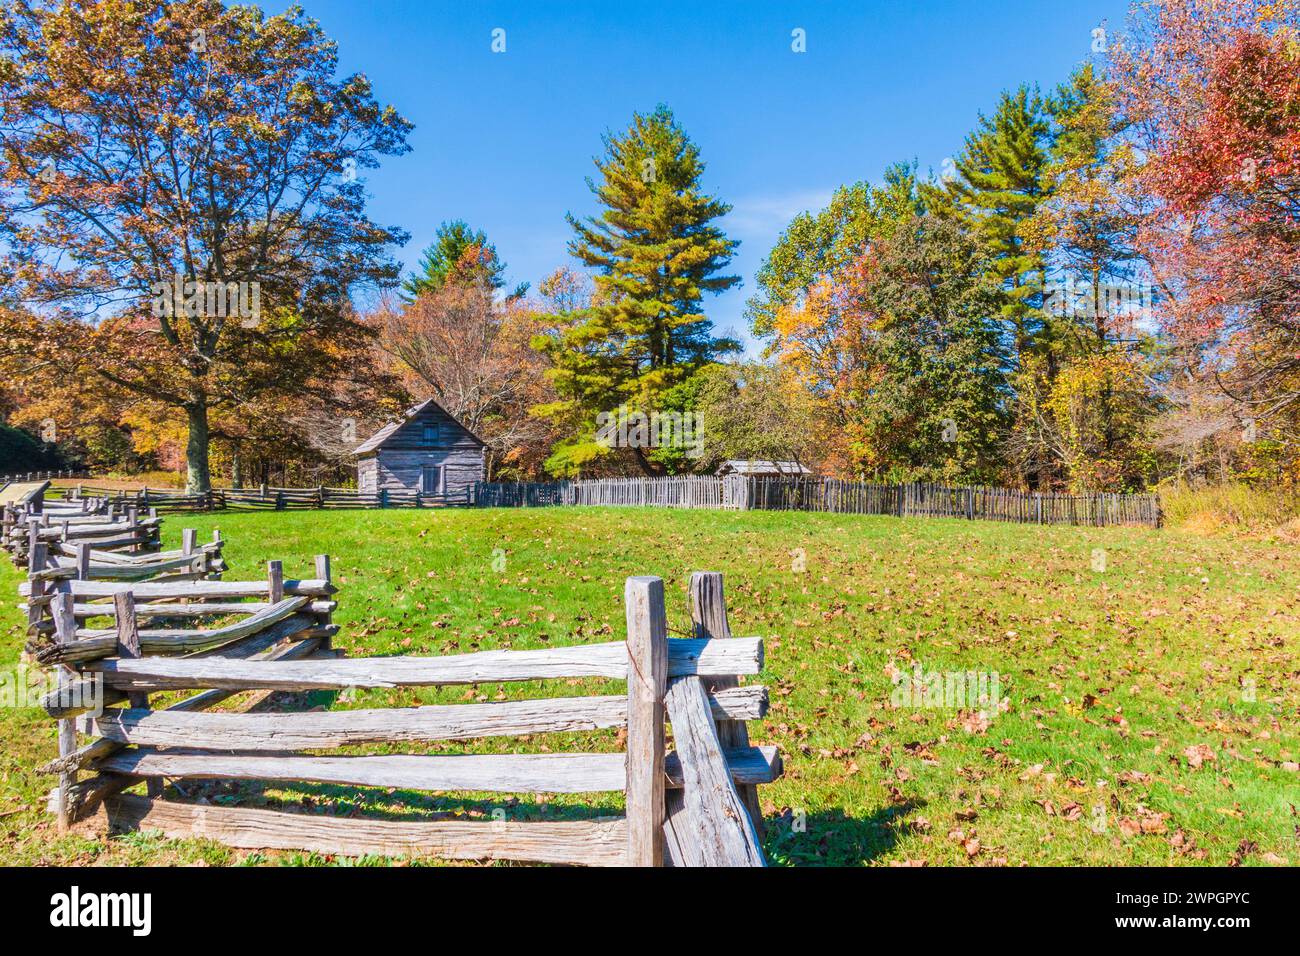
(1212, 89)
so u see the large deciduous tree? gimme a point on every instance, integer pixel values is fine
(1212, 91)
(145, 143)
(472, 353)
(757, 410)
(816, 246)
(903, 353)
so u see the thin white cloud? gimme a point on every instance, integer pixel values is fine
(767, 216)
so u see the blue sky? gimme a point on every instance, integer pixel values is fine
(504, 140)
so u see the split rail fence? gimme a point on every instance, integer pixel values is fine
(31, 476)
(264, 498)
(117, 643)
(111, 533)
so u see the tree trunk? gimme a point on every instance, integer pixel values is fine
(237, 469)
(199, 479)
(638, 455)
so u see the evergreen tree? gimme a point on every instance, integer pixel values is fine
(1097, 405)
(1084, 225)
(656, 252)
(458, 250)
(998, 188)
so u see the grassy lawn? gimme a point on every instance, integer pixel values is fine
(1150, 711)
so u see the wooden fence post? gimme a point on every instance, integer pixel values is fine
(275, 581)
(128, 646)
(719, 829)
(33, 542)
(36, 558)
(647, 682)
(189, 545)
(65, 631)
(323, 572)
(709, 618)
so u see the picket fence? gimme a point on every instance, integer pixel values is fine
(923, 500)
(732, 492)
(914, 500)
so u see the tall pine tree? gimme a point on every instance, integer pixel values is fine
(656, 252)
(998, 188)
(1099, 406)
(458, 250)
(1086, 224)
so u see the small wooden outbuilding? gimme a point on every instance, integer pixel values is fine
(759, 468)
(426, 450)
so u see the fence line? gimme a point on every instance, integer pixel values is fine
(833, 495)
(263, 498)
(41, 475)
(919, 499)
(733, 492)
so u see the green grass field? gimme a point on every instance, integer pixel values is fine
(1150, 711)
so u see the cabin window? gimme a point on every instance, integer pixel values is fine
(431, 433)
(431, 480)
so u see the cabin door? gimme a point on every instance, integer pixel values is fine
(431, 480)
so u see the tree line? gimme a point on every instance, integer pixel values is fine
(1096, 293)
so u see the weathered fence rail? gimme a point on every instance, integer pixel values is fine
(688, 807)
(286, 619)
(263, 498)
(119, 622)
(42, 475)
(122, 537)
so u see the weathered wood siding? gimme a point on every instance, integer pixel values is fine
(367, 469)
(400, 462)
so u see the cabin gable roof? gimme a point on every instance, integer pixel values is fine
(376, 441)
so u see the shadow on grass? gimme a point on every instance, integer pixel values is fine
(396, 805)
(824, 838)
(827, 837)
(833, 838)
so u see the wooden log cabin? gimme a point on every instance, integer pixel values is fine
(426, 450)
